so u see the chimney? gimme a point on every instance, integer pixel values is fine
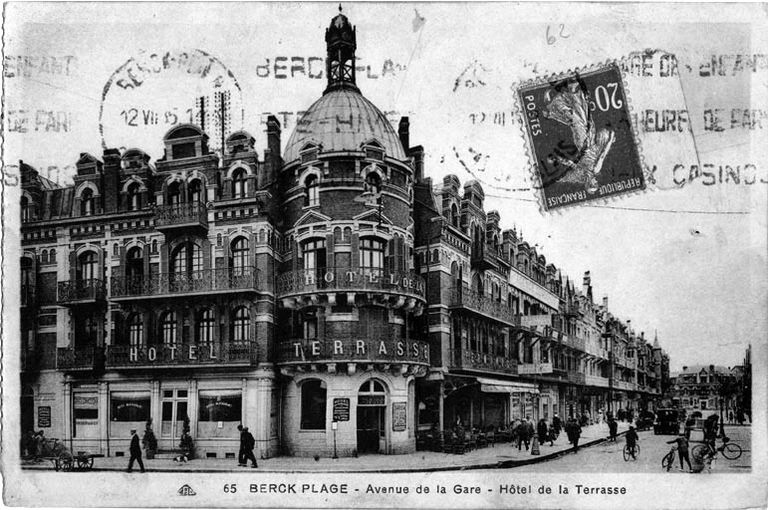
(417, 153)
(273, 134)
(403, 132)
(711, 368)
(605, 302)
(685, 368)
(272, 158)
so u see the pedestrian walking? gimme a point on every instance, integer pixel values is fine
(730, 417)
(552, 435)
(241, 451)
(576, 432)
(613, 427)
(248, 442)
(135, 451)
(542, 431)
(682, 450)
(525, 433)
(632, 439)
(557, 424)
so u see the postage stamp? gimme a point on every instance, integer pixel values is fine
(580, 137)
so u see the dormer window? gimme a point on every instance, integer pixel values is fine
(239, 184)
(311, 191)
(134, 197)
(86, 202)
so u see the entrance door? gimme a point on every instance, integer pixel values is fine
(174, 411)
(370, 428)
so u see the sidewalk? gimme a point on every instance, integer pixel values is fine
(503, 455)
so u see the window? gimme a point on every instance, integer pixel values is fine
(371, 253)
(134, 197)
(87, 266)
(174, 193)
(219, 413)
(239, 184)
(239, 257)
(86, 202)
(311, 191)
(313, 402)
(313, 252)
(205, 322)
(25, 209)
(241, 324)
(373, 183)
(136, 329)
(195, 191)
(85, 410)
(134, 265)
(130, 406)
(52, 256)
(44, 257)
(454, 215)
(309, 325)
(168, 328)
(187, 261)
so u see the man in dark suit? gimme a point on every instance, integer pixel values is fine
(135, 451)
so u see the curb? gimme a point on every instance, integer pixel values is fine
(507, 464)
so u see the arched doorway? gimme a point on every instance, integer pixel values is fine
(371, 417)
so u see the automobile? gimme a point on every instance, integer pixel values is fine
(667, 422)
(645, 420)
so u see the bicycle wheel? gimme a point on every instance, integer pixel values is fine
(731, 451)
(699, 452)
(626, 453)
(637, 450)
(668, 461)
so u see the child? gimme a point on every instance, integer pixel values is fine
(682, 450)
(632, 439)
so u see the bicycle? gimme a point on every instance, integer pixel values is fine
(631, 452)
(730, 451)
(669, 459)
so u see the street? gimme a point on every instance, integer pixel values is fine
(607, 457)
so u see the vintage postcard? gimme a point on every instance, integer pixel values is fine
(384, 255)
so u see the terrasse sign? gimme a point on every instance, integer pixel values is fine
(388, 350)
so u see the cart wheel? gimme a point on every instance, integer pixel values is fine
(731, 451)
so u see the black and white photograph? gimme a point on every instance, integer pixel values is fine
(385, 255)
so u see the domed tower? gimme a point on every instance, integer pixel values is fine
(348, 347)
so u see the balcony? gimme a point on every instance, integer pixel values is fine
(406, 288)
(181, 216)
(484, 362)
(79, 359)
(387, 351)
(28, 296)
(81, 292)
(572, 309)
(546, 325)
(484, 305)
(623, 385)
(535, 368)
(578, 344)
(576, 377)
(230, 354)
(206, 282)
(484, 259)
(596, 380)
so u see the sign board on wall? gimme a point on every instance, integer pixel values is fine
(340, 409)
(399, 416)
(43, 416)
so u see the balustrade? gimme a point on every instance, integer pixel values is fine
(194, 282)
(484, 305)
(81, 291)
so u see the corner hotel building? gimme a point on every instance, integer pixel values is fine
(322, 285)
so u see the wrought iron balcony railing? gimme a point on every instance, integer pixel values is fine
(182, 354)
(484, 305)
(195, 282)
(346, 279)
(187, 214)
(315, 350)
(485, 362)
(81, 291)
(79, 358)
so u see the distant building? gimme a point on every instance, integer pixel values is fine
(707, 388)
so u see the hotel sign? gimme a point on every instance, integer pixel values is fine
(356, 349)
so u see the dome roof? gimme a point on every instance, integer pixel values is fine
(341, 120)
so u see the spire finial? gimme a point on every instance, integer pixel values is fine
(339, 7)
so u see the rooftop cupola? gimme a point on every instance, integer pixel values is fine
(341, 41)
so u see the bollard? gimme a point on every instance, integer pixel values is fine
(535, 446)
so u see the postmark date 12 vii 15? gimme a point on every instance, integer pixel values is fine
(580, 135)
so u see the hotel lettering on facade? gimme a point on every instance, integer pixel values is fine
(323, 287)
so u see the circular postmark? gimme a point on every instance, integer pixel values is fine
(156, 90)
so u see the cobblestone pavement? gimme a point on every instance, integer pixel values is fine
(500, 455)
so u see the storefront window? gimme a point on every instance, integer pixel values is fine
(128, 410)
(85, 415)
(313, 401)
(220, 412)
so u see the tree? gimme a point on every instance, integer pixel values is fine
(187, 444)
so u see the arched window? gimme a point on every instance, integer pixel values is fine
(372, 386)
(454, 215)
(174, 193)
(239, 183)
(477, 285)
(373, 183)
(204, 324)
(195, 191)
(168, 328)
(87, 267)
(136, 329)
(52, 256)
(238, 261)
(241, 324)
(25, 209)
(134, 265)
(311, 191)
(187, 261)
(44, 257)
(313, 402)
(134, 197)
(86, 202)
(154, 246)
(371, 253)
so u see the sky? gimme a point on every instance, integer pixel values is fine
(686, 257)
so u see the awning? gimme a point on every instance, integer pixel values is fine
(499, 386)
